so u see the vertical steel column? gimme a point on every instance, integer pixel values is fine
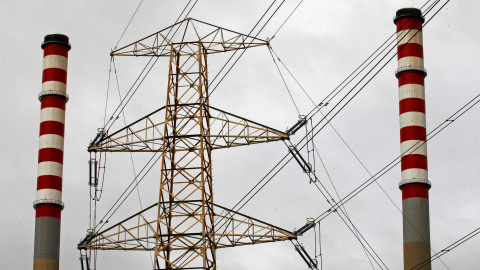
(415, 183)
(48, 205)
(185, 235)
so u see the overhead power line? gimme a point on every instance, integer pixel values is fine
(286, 159)
(139, 79)
(460, 112)
(448, 249)
(284, 82)
(349, 148)
(243, 52)
(295, 9)
(465, 108)
(260, 186)
(249, 33)
(315, 111)
(130, 22)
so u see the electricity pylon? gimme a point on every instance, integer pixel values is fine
(185, 227)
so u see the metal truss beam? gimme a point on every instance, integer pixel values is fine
(232, 229)
(189, 34)
(226, 130)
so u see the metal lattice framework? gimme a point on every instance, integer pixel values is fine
(189, 34)
(233, 229)
(185, 227)
(226, 130)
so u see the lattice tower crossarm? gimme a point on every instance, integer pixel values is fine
(194, 33)
(185, 227)
(147, 134)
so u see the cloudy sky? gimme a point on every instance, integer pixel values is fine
(321, 44)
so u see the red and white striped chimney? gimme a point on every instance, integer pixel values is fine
(415, 183)
(48, 205)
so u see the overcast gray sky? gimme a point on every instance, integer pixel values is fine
(321, 44)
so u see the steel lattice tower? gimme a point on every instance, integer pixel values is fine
(187, 227)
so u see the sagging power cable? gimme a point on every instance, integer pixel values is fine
(469, 105)
(272, 15)
(295, 9)
(367, 82)
(131, 19)
(460, 112)
(447, 249)
(369, 251)
(148, 67)
(378, 184)
(243, 52)
(249, 33)
(131, 155)
(306, 165)
(283, 79)
(125, 123)
(130, 188)
(279, 166)
(338, 196)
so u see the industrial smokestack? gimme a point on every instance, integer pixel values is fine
(415, 183)
(48, 205)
